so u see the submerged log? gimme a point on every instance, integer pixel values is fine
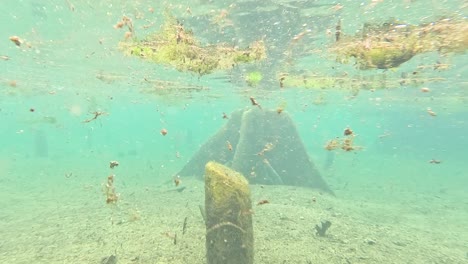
(228, 212)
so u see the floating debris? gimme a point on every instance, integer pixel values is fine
(348, 131)
(430, 112)
(177, 180)
(16, 40)
(113, 163)
(425, 90)
(346, 143)
(254, 102)
(109, 190)
(96, 115)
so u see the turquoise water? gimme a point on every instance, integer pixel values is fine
(53, 164)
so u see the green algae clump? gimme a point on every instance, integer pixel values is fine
(253, 78)
(392, 43)
(176, 46)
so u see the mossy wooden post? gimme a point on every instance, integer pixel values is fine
(229, 232)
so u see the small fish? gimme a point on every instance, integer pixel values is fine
(434, 161)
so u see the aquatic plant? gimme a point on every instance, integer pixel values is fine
(322, 229)
(176, 46)
(353, 83)
(392, 43)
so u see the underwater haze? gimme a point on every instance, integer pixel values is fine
(103, 103)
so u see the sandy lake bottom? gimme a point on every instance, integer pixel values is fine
(71, 223)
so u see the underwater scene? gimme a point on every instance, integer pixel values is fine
(234, 131)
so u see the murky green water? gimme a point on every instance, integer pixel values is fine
(410, 146)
